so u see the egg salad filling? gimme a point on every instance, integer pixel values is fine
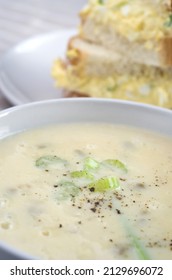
(137, 21)
(141, 88)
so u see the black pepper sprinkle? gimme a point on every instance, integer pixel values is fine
(118, 211)
(93, 209)
(79, 222)
(92, 189)
(122, 179)
(60, 226)
(96, 203)
(55, 186)
(110, 240)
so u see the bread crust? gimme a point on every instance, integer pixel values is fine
(166, 51)
(70, 94)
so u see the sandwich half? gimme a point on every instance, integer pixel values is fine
(93, 71)
(139, 29)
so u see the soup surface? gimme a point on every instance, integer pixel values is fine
(87, 191)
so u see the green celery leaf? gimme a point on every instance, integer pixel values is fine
(115, 163)
(67, 190)
(90, 163)
(81, 174)
(50, 161)
(104, 184)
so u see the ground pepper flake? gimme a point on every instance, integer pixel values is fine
(96, 203)
(118, 211)
(93, 209)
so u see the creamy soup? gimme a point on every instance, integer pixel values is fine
(87, 191)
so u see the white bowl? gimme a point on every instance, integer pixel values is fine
(37, 114)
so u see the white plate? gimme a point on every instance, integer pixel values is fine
(25, 71)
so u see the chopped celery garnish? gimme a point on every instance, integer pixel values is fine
(50, 161)
(90, 163)
(135, 242)
(139, 248)
(104, 184)
(81, 174)
(115, 163)
(67, 190)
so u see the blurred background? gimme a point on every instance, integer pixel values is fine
(21, 19)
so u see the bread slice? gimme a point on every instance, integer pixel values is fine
(92, 59)
(140, 30)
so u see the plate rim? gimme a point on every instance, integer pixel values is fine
(7, 92)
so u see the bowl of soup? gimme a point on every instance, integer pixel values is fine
(85, 179)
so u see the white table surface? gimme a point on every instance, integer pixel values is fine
(21, 19)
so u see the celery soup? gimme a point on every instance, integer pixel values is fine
(87, 191)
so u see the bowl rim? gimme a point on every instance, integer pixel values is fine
(86, 100)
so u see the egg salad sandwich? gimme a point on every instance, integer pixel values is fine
(123, 50)
(140, 29)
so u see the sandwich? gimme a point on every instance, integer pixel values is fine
(139, 29)
(123, 50)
